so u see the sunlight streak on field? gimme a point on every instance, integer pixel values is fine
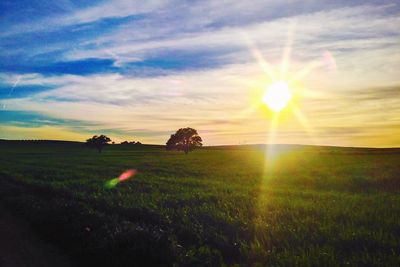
(270, 153)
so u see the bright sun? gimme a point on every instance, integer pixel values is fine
(277, 95)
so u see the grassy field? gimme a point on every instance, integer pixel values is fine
(309, 206)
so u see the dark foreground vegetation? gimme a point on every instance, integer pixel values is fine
(311, 206)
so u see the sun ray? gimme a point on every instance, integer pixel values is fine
(287, 52)
(265, 66)
(306, 70)
(304, 123)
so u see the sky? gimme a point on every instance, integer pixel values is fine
(140, 70)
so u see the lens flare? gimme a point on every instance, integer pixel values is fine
(121, 178)
(329, 60)
(126, 175)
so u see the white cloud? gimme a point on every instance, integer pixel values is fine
(338, 25)
(114, 9)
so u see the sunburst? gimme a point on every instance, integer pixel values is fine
(282, 91)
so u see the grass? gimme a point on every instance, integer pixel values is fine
(310, 206)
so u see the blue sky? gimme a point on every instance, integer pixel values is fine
(139, 70)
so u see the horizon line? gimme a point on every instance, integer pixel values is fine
(220, 145)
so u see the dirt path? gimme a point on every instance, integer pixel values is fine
(20, 246)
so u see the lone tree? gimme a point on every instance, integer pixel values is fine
(98, 142)
(185, 139)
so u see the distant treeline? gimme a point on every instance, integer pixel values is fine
(130, 143)
(41, 141)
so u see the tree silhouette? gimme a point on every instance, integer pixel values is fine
(185, 139)
(98, 142)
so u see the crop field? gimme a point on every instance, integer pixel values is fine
(220, 206)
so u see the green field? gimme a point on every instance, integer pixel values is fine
(309, 206)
